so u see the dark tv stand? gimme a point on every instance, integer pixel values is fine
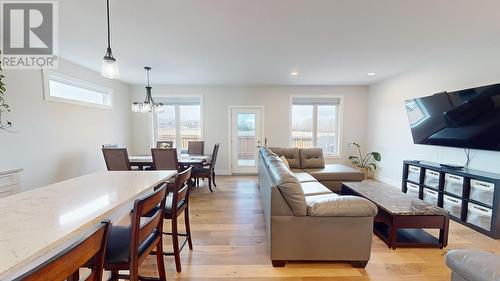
(471, 197)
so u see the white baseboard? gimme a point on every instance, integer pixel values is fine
(223, 172)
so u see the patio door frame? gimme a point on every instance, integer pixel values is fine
(230, 135)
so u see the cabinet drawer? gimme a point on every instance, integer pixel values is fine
(482, 191)
(412, 189)
(430, 196)
(452, 205)
(479, 216)
(414, 174)
(431, 179)
(453, 184)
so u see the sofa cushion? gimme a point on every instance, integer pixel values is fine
(304, 177)
(266, 152)
(285, 161)
(314, 188)
(289, 187)
(311, 158)
(333, 205)
(336, 172)
(292, 155)
(474, 265)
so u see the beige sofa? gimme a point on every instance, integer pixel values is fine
(471, 265)
(305, 221)
(309, 164)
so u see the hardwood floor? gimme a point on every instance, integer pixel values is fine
(230, 244)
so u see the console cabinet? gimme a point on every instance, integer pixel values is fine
(471, 197)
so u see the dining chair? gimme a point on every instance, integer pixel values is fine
(165, 159)
(169, 144)
(89, 252)
(196, 147)
(207, 170)
(116, 159)
(128, 246)
(176, 204)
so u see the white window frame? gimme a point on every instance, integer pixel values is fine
(340, 117)
(72, 81)
(154, 134)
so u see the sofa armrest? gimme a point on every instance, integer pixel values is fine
(333, 205)
(474, 265)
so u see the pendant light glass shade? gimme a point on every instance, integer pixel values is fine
(109, 67)
(149, 105)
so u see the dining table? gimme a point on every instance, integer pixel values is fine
(185, 160)
(41, 222)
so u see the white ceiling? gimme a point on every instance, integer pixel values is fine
(330, 42)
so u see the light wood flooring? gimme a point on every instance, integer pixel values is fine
(230, 244)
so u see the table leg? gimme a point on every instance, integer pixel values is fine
(393, 234)
(443, 232)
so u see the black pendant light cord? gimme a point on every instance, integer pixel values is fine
(109, 29)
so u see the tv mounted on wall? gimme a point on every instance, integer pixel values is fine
(467, 118)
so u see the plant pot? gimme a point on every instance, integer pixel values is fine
(366, 171)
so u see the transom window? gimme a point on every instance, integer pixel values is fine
(63, 88)
(315, 123)
(181, 122)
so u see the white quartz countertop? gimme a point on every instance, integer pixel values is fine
(35, 222)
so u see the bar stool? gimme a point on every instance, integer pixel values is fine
(128, 246)
(176, 204)
(89, 253)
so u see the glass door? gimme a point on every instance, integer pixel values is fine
(246, 138)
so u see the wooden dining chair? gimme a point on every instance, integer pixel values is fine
(128, 246)
(111, 145)
(170, 144)
(88, 252)
(176, 204)
(165, 159)
(196, 147)
(116, 159)
(207, 170)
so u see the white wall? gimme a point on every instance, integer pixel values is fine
(57, 141)
(388, 129)
(275, 99)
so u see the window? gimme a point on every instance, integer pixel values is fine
(62, 88)
(181, 122)
(315, 123)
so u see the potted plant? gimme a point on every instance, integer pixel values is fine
(4, 107)
(365, 163)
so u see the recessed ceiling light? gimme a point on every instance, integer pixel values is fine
(294, 73)
(371, 73)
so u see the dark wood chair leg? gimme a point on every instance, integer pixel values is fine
(161, 263)
(175, 244)
(278, 263)
(210, 184)
(359, 264)
(213, 178)
(188, 227)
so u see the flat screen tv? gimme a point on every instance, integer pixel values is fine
(468, 118)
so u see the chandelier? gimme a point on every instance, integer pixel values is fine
(149, 105)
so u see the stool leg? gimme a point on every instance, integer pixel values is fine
(161, 263)
(175, 244)
(188, 227)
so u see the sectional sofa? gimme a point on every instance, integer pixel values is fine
(306, 221)
(309, 163)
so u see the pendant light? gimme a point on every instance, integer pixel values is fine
(109, 64)
(149, 105)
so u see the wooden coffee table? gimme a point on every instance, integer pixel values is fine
(401, 219)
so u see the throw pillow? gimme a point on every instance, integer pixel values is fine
(285, 161)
